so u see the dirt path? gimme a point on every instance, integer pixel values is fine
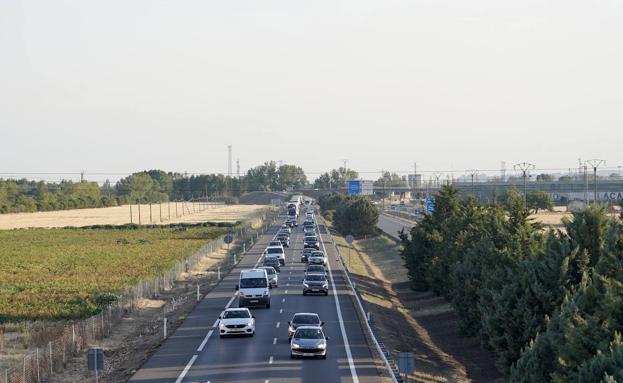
(421, 323)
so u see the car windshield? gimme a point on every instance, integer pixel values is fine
(274, 250)
(316, 277)
(305, 319)
(236, 314)
(310, 239)
(308, 333)
(317, 254)
(250, 283)
(315, 269)
(271, 261)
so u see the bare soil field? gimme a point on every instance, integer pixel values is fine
(419, 322)
(164, 213)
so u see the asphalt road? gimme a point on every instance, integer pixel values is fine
(195, 352)
(391, 225)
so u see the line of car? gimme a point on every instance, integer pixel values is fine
(305, 332)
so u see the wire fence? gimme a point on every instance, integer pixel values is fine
(56, 345)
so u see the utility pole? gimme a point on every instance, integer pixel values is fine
(595, 163)
(473, 173)
(383, 178)
(437, 177)
(585, 184)
(525, 168)
(345, 162)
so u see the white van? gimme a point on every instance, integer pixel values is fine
(276, 251)
(253, 288)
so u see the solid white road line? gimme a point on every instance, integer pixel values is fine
(230, 301)
(349, 355)
(188, 366)
(205, 340)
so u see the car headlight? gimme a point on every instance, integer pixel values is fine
(322, 346)
(305, 284)
(250, 324)
(295, 345)
(221, 325)
(291, 329)
(325, 286)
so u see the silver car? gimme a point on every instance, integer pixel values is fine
(273, 276)
(308, 341)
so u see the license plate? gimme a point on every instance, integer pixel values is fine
(315, 290)
(254, 301)
(308, 354)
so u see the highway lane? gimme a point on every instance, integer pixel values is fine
(392, 225)
(266, 357)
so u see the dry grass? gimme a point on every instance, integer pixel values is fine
(120, 215)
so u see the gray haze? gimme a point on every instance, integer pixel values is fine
(120, 86)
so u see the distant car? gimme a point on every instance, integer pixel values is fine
(272, 274)
(303, 319)
(308, 341)
(315, 284)
(284, 238)
(315, 269)
(285, 229)
(238, 321)
(309, 231)
(311, 241)
(317, 258)
(272, 261)
(306, 253)
(274, 243)
(276, 251)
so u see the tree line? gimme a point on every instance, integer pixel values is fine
(354, 215)
(549, 304)
(151, 186)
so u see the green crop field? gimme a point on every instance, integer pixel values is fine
(64, 273)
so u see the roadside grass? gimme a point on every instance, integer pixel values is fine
(54, 274)
(375, 265)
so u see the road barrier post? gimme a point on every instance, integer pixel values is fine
(51, 359)
(198, 295)
(38, 374)
(165, 327)
(219, 273)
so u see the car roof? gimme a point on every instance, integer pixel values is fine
(237, 309)
(309, 327)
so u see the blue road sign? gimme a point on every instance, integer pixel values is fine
(417, 212)
(354, 187)
(430, 204)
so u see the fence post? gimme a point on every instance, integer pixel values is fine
(24, 371)
(73, 338)
(165, 327)
(38, 373)
(51, 359)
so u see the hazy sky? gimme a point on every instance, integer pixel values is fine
(120, 86)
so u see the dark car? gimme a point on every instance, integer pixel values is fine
(311, 242)
(273, 262)
(315, 284)
(284, 238)
(306, 253)
(316, 269)
(303, 319)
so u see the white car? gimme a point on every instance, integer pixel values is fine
(317, 258)
(236, 322)
(274, 243)
(308, 341)
(276, 251)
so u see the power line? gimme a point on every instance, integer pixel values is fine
(525, 168)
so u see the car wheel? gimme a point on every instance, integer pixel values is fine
(268, 305)
(291, 356)
(304, 293)
(222, 336)
(326, 293)
(252, 334)
(324, 356)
